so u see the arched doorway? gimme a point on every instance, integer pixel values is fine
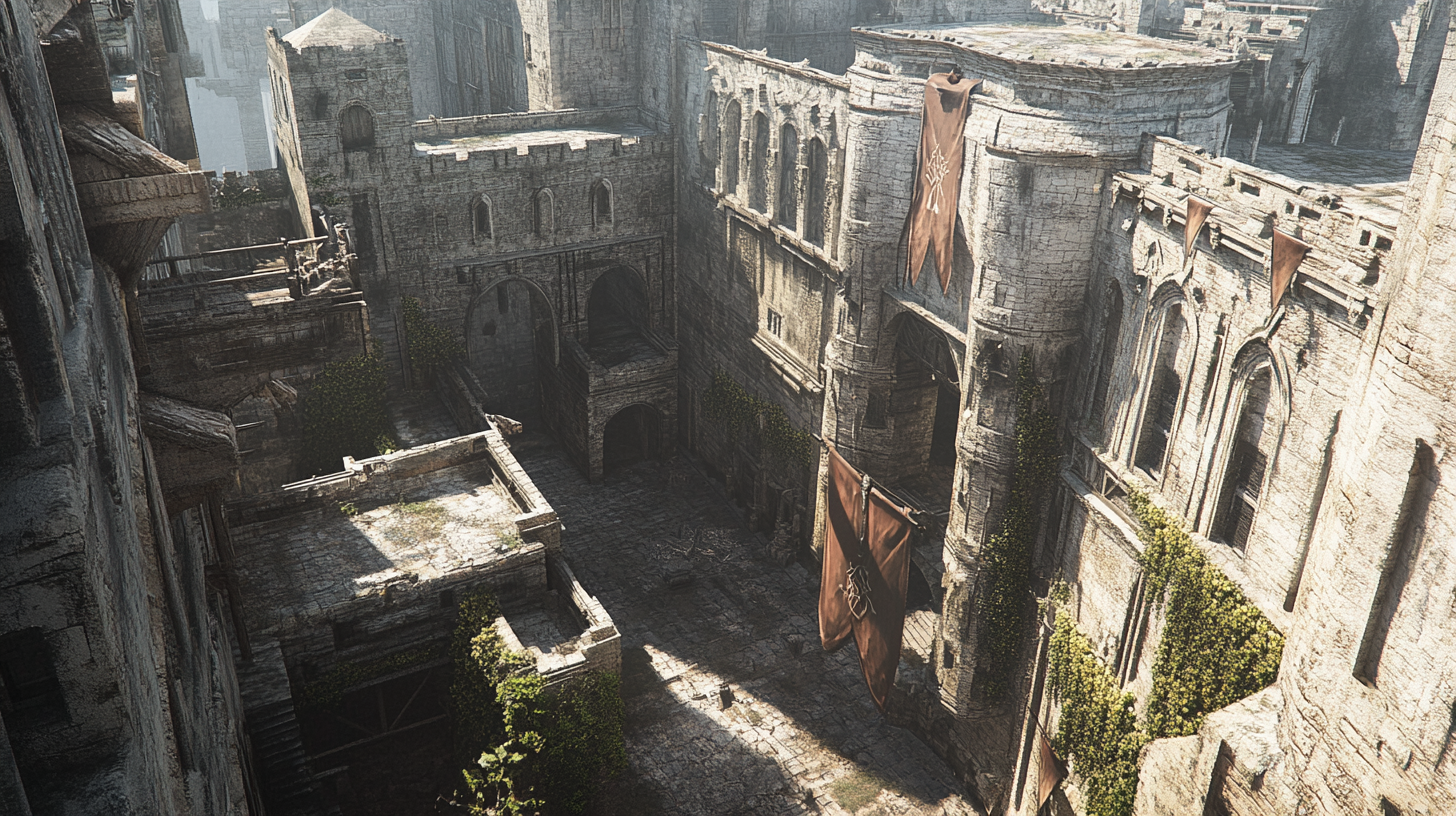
(511, 344)
(631, 437)
(924, 407)
(617, 318)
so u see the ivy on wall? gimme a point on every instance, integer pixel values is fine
(344, 414)
(529, 749)
(1097, 728)
(1217, 647)
(431, 347)
(731, 404)
(1008, 552)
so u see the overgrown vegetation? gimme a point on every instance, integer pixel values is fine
(431, 347)
(529, 749)
(731, 404)
(1217, 648)
(344, 415)
(1097, 727)
(1008, 552)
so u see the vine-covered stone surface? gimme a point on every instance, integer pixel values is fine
(1007, 554)
(527, 749)
(431, 347)
(344, 414)
(731, 404)
(1098, 728)
(1217, 648)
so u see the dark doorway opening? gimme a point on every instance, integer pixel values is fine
(630, 437)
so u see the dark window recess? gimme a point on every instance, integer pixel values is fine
(30, 692)
(877, 408)
(321, 106)
(1246, 480)
(775, 323)
(1158, 425)
(483, 229)
(356, 128)
(602, 204)
(488, 328)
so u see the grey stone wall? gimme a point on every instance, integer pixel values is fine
(101, 602)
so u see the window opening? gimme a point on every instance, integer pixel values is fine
(356, 126)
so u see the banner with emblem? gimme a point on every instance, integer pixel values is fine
(938, 180)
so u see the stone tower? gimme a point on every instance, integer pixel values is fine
(341, 108)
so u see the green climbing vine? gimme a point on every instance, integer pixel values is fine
(530, 749)
(1008, 552)
(1098, 728)
(1217, 647)
(431, 347)
(344, 414)
(731, 404)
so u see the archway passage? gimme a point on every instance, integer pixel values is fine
(511, 340)
(925, 413)
(631, 437)
(616, 318)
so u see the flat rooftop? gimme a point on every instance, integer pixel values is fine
(574, 137)
(1370, 183)
(1064, 43)
(324, 554)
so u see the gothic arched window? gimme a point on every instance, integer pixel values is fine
(356, 127)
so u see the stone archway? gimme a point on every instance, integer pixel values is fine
(511, 344)
(632, 435)
(617, 318)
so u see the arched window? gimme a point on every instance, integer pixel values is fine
(601, 199)
(356, 127)
(1243, 479)
(758, 165)
(732, 136)
(545, 213)
(1107, 359)
(816, 192)
(708, 140)
(1161, 409)
(480, 216)
(787, 209)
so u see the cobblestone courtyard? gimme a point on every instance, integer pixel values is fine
(799, 733)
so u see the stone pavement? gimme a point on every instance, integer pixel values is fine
(732, 707)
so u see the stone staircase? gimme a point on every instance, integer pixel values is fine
(278, 752)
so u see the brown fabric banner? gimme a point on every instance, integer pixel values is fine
(938, 179)
(1288, 253)
(1197, 214)
(844, 527)
(879, 632)
(1050, 770)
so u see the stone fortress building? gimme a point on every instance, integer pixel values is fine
(642, 216)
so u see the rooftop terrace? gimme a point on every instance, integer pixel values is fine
(1370, 183)
(522, 131)
(1063, 43)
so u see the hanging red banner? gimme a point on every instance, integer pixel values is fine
(865, 572)
(938, 180)
(1287, 254)
(844, 529)
(1197, 214)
